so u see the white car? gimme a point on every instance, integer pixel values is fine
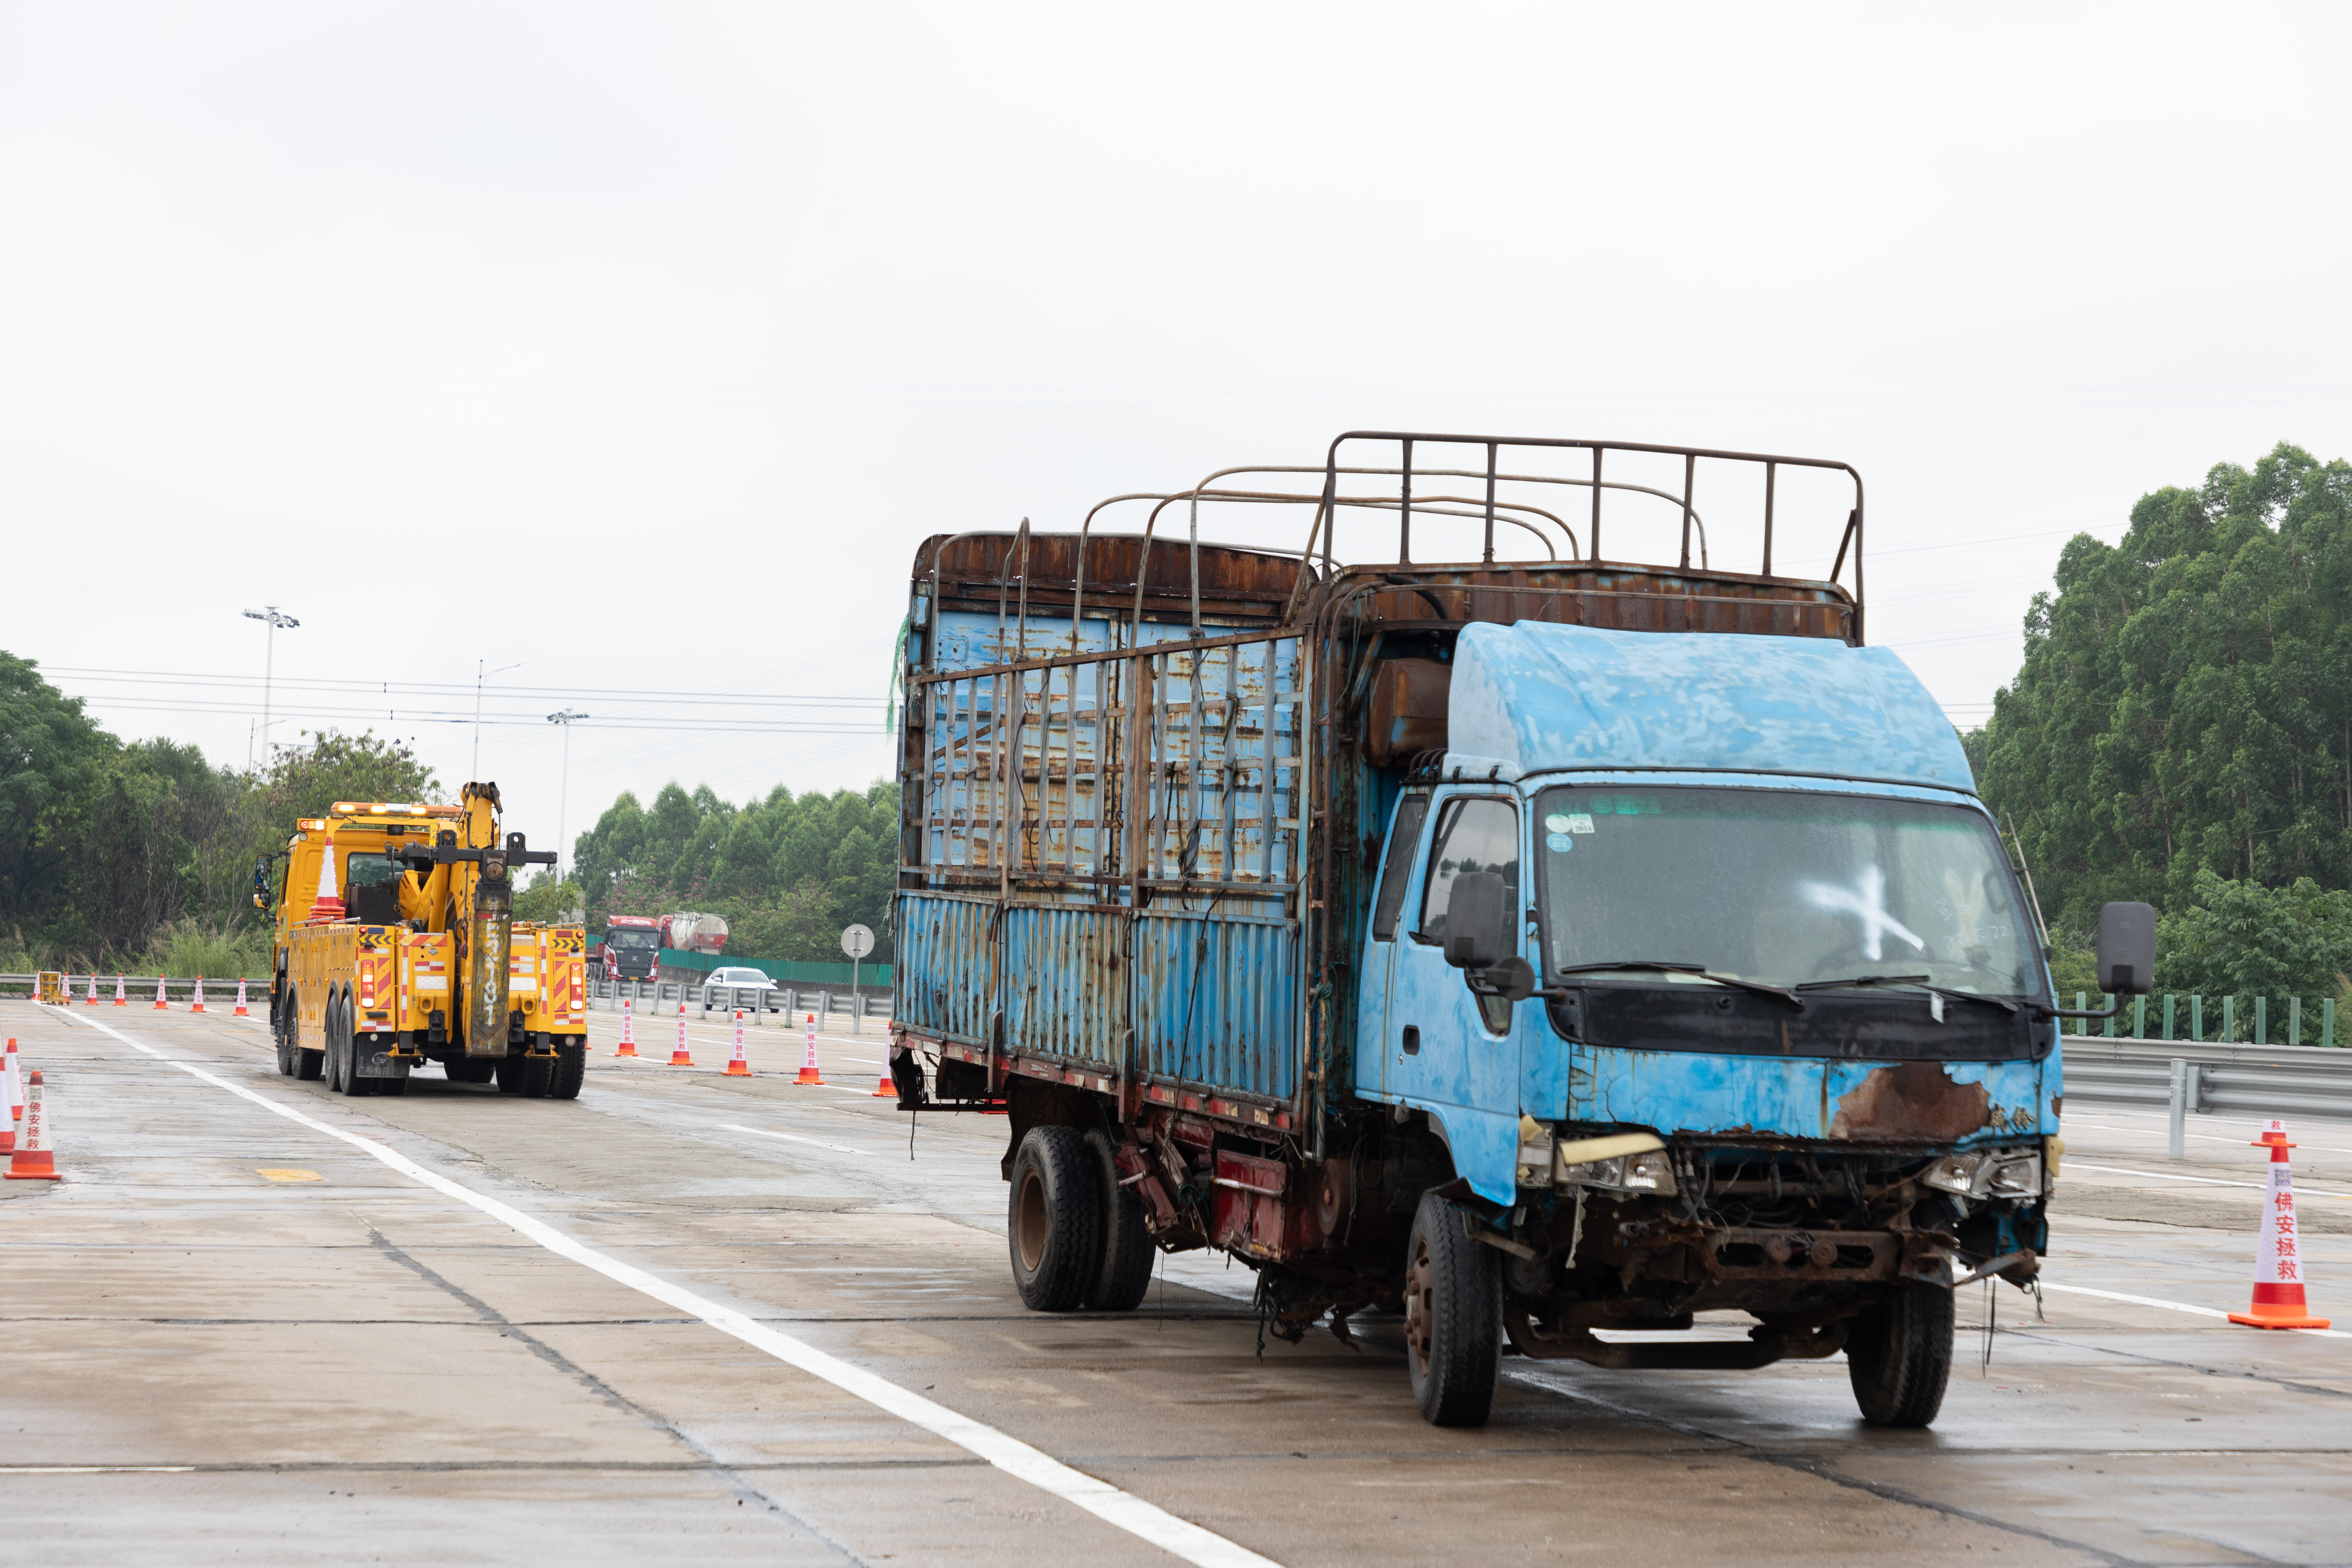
(741, 980)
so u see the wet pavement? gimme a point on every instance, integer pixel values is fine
(696, 1317)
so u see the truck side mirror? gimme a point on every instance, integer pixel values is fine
(1478, 914)
(2127, 949)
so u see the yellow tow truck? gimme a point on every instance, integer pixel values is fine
(396, 944)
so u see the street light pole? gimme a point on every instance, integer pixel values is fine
(480, 677)
(269, 614)
(563, 791)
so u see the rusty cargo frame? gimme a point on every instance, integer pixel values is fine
(1121, 868)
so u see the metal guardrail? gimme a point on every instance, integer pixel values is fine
(2232, 1080)
(756, 1001)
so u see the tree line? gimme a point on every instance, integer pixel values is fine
(138, 855)
(788, 872)
(2180, 732)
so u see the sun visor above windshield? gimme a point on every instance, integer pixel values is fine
(1538, 696)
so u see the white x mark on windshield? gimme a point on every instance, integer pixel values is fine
(1869, 903)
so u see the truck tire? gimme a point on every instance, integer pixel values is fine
(281, 1025)
(310, 1066)
(1453, 1318)
(1127, 1251)
(330, 1055)
(1054, 1220)
(346, 1044)
(1900, 1357)
(523, 1076)
(568, 1071)
(470, 1070)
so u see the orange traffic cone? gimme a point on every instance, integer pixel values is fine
(808, 1057)
(33, 1162)
(119, 999)
(737, 1067)
(91, 1000)
(242, 1011)
(12, 1099)
(198, 1005)
(679, 1057)
(160, 1004)
(2278, 1262)
(628, 1046)
(886, 1089)
(328, 905)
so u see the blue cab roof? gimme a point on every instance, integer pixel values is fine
(1538, 696)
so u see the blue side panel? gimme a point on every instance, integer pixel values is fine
(1065, 982)
(946, 981)
(1216, 1000)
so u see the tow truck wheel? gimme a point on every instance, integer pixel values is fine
(1453, 1318)
(1900, 1357)
(1054, 1223)
(309, 1065)
(569, 1070)
(470, 1070)
(1127, 1251)
(281, 1025)
(330, 1056)
(525, 1076)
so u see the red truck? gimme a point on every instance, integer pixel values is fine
(632, 944)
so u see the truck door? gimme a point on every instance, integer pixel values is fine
(1448, 1045)
(1375, 1038)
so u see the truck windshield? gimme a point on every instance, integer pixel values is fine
(633, 940)
(1782, 887)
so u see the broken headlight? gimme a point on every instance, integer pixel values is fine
(1987, 1173)
(1651, 1173)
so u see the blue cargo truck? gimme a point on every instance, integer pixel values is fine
(1541, 946)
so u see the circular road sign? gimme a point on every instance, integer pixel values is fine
(858, 942)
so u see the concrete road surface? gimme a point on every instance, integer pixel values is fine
(696, 1319)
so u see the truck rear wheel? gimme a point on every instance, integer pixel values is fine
(1453, 1318)
(525, 1076)
(1900, 1357)
(567, 1072)
(281, 1025)
(1127, 1252)
(1054, 1220)
(470, 1070)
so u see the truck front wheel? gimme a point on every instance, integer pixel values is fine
(1054, 1220)
(1453, 1318)
(1900, 1357)
(569, 1070)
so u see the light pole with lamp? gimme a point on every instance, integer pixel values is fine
(481, 676)
(269, 614)
(563, 793)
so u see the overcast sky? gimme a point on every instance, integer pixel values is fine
(640, 346)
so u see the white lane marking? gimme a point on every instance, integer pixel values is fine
(2183, 1307)
(1179, 1537)
(2300, 1189)
(95, 1469)
(790, 1137)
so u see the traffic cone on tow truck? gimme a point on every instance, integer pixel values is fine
(2278, 1300)
(737, 1065)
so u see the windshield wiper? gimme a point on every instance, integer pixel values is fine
(2003, 1002)
(1780, 992)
